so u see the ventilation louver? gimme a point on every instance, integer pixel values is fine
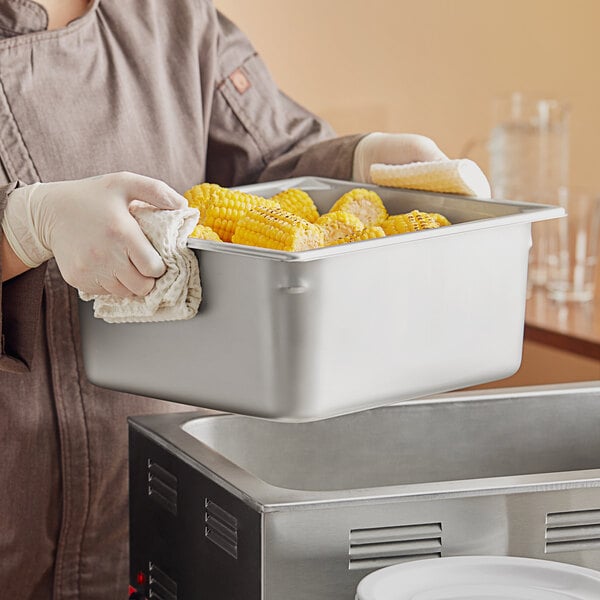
(162, 487)
(572, 531)
(221, 528)
(384, 546)
(160, 585)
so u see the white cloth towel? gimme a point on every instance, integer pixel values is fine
(458, 176)
(177, 294)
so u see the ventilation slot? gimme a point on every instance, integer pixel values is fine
(573, 531)
(221, 528)
(162, 487)
(384, 546)
(160, 585)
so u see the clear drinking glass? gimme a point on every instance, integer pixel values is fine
(529, 160)
(572, 253)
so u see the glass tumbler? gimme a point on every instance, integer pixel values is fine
(529, 160)
(573, 247)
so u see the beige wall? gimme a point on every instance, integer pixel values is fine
(432, 66)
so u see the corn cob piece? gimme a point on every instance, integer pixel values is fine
(460, 176)
(277, 229)
(365, 204)
(227, 207)
(298, 202)
(412, 221)
(339, 224)
(368, 233)
(200, 195)
(203, 232)
(441, 220)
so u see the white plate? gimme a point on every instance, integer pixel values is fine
(481, 578)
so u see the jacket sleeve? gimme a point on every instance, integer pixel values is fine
(20, 313)
(256, 132)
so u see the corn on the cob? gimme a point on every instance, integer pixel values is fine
(277, 229)
(441, 220)
(339, 224)
(365, 204)
(200, 195)
(368, 233)
(229, 215)
(460, 176)
(412, 221)
(298, 202)
(226, 208)
(203, 232)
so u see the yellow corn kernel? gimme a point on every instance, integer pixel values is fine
(227, 207)
(339, 224)
(200, 195)
(365, 204)
(368, 233)
(412, 221)
(298, 202)
(202, 232)
(277, 229)
(408, 222)
(441, 220)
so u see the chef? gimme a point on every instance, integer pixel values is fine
(101, 103)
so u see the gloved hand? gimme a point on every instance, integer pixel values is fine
(392, 149)
(86, 225)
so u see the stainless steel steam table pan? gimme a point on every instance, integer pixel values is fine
(313, 334)
(235, 508)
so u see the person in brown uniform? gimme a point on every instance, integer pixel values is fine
(103, 102)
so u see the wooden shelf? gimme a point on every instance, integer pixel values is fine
(570, 326)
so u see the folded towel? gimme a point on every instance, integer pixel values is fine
(177, 294)
(460, 176)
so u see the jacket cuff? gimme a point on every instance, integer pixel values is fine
(332, 158)
(20, 309)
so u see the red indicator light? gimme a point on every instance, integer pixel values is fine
(141, 578)
(132, 590)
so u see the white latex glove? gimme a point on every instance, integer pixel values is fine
(86, 225)
(392, 149)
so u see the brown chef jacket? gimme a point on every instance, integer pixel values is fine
(169, 89)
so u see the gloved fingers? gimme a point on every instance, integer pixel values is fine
(112, 286)
(418, 148)
(93, 288)
(392, 149)
(134, 281)
(152, 191)
(97, 285)
(142, 254)
(110, 274)
(402, 148)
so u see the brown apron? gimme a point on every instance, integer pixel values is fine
(172, 90)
